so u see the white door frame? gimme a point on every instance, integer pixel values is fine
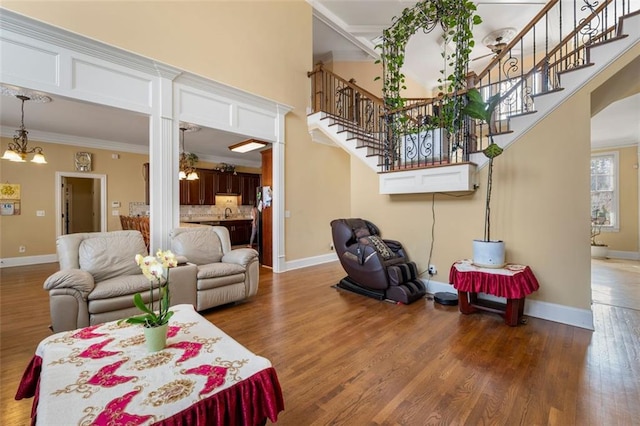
(59, 196)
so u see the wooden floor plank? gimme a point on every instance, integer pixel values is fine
(344, 359)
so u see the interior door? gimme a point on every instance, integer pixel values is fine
(81, 205)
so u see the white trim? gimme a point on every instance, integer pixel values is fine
(616, 188)
(310, 261)
(619, 254)
(582, 318)
(8, 262)
(103, 197)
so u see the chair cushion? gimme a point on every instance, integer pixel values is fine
(121, 286)
(215, 270)
(110, 256)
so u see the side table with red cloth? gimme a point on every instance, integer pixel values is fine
(104, 375)
(513, 282)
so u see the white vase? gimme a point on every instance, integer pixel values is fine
(156, 337)
(488, 254)
(599, 252)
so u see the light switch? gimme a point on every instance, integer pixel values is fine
(39, 212)
(115, 212)
(115, 204)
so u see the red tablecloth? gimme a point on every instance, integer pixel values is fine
(104, 375)
(512, 281)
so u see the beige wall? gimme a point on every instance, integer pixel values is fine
(365, 74)
(263, 47)
(125, 183)
(539, 208)
(626, 239)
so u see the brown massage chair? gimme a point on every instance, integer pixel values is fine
(375, 267)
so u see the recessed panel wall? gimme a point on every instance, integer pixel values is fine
(23, 64)
(111, 86)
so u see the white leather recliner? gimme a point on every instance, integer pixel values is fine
(98, 277)
(224, 274)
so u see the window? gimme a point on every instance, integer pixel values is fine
(604, 190)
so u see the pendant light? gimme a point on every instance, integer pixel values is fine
(19, 148)
(188, 160)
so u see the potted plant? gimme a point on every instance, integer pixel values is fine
(155, 323)
(599, 250)
(486, 252)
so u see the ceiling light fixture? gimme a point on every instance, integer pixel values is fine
(248, 145)
(188, 160)
(19, 148)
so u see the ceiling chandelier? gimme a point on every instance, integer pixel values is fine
(19, 148)
(188, 160)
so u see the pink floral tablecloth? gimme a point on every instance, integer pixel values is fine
(104, 375)
(512, 281)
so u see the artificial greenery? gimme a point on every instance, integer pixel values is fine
(456, 18)
(478, 109)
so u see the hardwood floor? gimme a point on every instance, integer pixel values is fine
(343, 359)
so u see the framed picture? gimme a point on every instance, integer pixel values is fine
(9, 191)
(83, 161)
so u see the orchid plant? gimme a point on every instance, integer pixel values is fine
(156, 269)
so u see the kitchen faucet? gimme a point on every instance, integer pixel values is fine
(225, 212)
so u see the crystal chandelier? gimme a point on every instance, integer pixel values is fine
(19, 148)
(188, 160)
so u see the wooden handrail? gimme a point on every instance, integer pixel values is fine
(320, 68)
(517, 38)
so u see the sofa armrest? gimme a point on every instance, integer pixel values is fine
(77, 279)
(241, 256)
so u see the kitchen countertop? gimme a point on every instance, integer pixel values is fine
(202, 219)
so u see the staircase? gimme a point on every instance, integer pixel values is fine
(354, 119)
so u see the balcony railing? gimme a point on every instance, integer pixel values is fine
(555, 41)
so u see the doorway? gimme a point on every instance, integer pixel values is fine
(81, 203)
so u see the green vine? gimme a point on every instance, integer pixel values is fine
(456, 18)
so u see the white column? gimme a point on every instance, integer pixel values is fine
(163, 158)
(278, 204)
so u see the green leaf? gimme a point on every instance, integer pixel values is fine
(137, 300)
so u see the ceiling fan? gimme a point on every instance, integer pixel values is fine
(496, 41)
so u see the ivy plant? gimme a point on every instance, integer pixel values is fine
(456, 18)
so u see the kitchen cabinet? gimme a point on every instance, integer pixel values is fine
(248, 184)
(145, 176)
(228, 183)
(239, 231)
(208, 179)
(200, 191)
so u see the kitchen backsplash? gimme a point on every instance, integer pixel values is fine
(213, 212)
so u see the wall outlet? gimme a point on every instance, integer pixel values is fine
(40, 213)
(22, 249)
(433, 270)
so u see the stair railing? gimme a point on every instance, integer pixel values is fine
(344, 100)
(555, 41)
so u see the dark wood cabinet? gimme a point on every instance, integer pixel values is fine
(200, 191)
(208, 179)
(228, 183)
(248, 184)
(145, 176)
(239, 231)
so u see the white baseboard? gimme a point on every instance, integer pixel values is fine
(27, 260)
(310, 261)
(582, 318)
(628, 255)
